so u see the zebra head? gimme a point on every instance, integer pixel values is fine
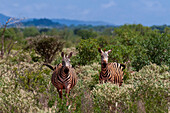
(104, 55)
(66, 59)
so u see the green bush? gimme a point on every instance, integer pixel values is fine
(31, 32)
(120, 53)
(150, 87)
(103, 41)
(154, 49)
(87, 51)
(106, 97)
(26, 87)
(47, 47)
(15, 94)
(85, 34)
(146, 91)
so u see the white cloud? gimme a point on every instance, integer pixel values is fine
(108, 5)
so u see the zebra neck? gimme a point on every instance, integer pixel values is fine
(104, 68)
(63, 73)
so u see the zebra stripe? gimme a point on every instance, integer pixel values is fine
(112, 72)
(60, 78)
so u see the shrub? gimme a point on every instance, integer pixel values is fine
(47, 46)
(150, 88)
(154, 49)
(31, 31)
(103, 41)
(106, 97)
(87, 51)
(13, 94)
(86, 34)
(25, 88)
(147, 91)
(120, 53)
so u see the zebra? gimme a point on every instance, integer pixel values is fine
(64, 76)
(112, 72)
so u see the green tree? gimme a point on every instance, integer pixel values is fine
(53, 32)
(87, 51)
(154, 49)
(31, 32)
(47, 47)
(85, 34)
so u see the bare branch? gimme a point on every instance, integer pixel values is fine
(2, 50)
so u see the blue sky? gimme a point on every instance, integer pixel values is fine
(146, 12)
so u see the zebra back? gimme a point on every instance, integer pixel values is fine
(74, 77)
(116, 72)
(55, 74)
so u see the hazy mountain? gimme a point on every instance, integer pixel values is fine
(79, 22)
(53, 22)
(41, 23)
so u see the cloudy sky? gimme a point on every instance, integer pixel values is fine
(146, 12)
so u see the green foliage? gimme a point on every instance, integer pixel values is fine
(85, 34)
(17, 82)
(161, 28)
(94, 81)
(87, 51)
(120, 53)
(154, 49)
(108, 31)
(53, 32)
(35, 57)
(47, 47)
(147, 92)
(103, 41)
(106, 96)
(30, 32)
(25, 86)
(9, 33)
(150, 86)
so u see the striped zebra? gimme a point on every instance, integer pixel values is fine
(112, 72)
(64, 76)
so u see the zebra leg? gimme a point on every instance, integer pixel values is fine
(67, 93)
(60, 93)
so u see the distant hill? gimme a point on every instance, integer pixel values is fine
(3, 19)
(41, 23)
(44, 22)
(79, 22)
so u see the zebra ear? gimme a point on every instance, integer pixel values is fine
(109, 50)
(100, 51)
(70, 54)
(62, 54)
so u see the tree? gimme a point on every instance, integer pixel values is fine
(85, 34)
(47, 47)
(87, 51)
(2, 35)
(31, 32)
